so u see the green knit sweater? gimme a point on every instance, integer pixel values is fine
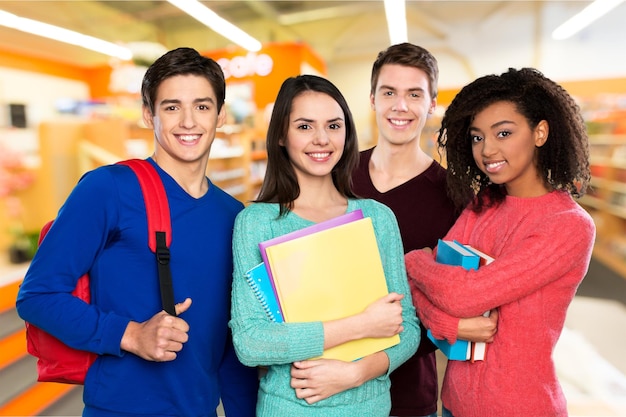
(258, 341)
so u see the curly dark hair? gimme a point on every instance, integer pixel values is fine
(280, 184)
(563, 161)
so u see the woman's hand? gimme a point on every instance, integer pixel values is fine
(315, 380)
(479, 329)
(383, 317)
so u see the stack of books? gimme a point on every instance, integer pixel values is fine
(451, 252)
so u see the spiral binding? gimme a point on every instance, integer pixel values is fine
(259, 295)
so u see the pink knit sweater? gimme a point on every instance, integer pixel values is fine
(542, 248)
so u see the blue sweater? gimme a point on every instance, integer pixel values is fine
(259, 341)
(102, 229)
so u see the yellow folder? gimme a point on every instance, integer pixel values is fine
(329, 275)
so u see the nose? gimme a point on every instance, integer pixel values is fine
(400, 104)
(489, 146)
(321, 137)
(187, 119)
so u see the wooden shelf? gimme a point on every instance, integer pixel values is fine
(606, 200)
(237, 163)
(610, 260)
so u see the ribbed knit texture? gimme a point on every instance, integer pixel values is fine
(258, 341)
(542, 248)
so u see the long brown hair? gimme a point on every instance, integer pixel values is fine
(280, 184)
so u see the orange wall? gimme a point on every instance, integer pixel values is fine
(96, 78)
(287, 59)
(29, 63)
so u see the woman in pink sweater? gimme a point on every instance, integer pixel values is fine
(517, 151)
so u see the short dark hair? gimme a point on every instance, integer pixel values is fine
(280, 184)
(562, 162)
(408, 55)
(182, 61)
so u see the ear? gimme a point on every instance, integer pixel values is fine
(221, 116)
(147, 117)
(541, 133)
(433, 106)
(372, 105)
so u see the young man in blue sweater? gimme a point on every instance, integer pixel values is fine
(150, 363)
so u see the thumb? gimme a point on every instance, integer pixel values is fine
(182, 307)
(392, 297)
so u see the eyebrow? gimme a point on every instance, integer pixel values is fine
(497, 124)
(304, 119)
(177, 101)
(388, 87)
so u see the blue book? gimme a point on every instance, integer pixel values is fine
(459, 351)
(453, 253)
(259, 281)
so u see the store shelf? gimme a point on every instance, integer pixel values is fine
(237, 161)
(606, 199)
(609, 258)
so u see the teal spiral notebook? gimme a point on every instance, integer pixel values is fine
(259, 281)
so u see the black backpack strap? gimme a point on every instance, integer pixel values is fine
(165, 275)
(159, 225)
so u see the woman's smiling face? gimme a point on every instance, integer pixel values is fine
(504, 147)
(316, 135)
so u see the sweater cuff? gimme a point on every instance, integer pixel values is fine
(114, 328)
(446, 329)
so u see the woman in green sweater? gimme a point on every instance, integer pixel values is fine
(312, 150)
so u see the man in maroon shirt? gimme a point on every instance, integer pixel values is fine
(400, 174)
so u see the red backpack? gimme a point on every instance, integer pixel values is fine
(57, 362)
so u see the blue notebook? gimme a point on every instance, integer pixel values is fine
(259, 281)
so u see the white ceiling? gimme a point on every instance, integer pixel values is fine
(467, 37)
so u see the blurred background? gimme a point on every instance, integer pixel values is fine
(70, 73)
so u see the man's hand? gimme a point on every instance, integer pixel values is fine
(159, 338)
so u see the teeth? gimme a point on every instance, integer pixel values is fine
(188, 138)
(495, 164)
(399, 122)
(320, 155)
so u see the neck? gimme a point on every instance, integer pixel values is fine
(320, 201)
(190, 177)
(406, 158)
(392, 165)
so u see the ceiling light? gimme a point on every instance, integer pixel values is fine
(64, 35)
(209, 18)
(583, 19)
(395, 11)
